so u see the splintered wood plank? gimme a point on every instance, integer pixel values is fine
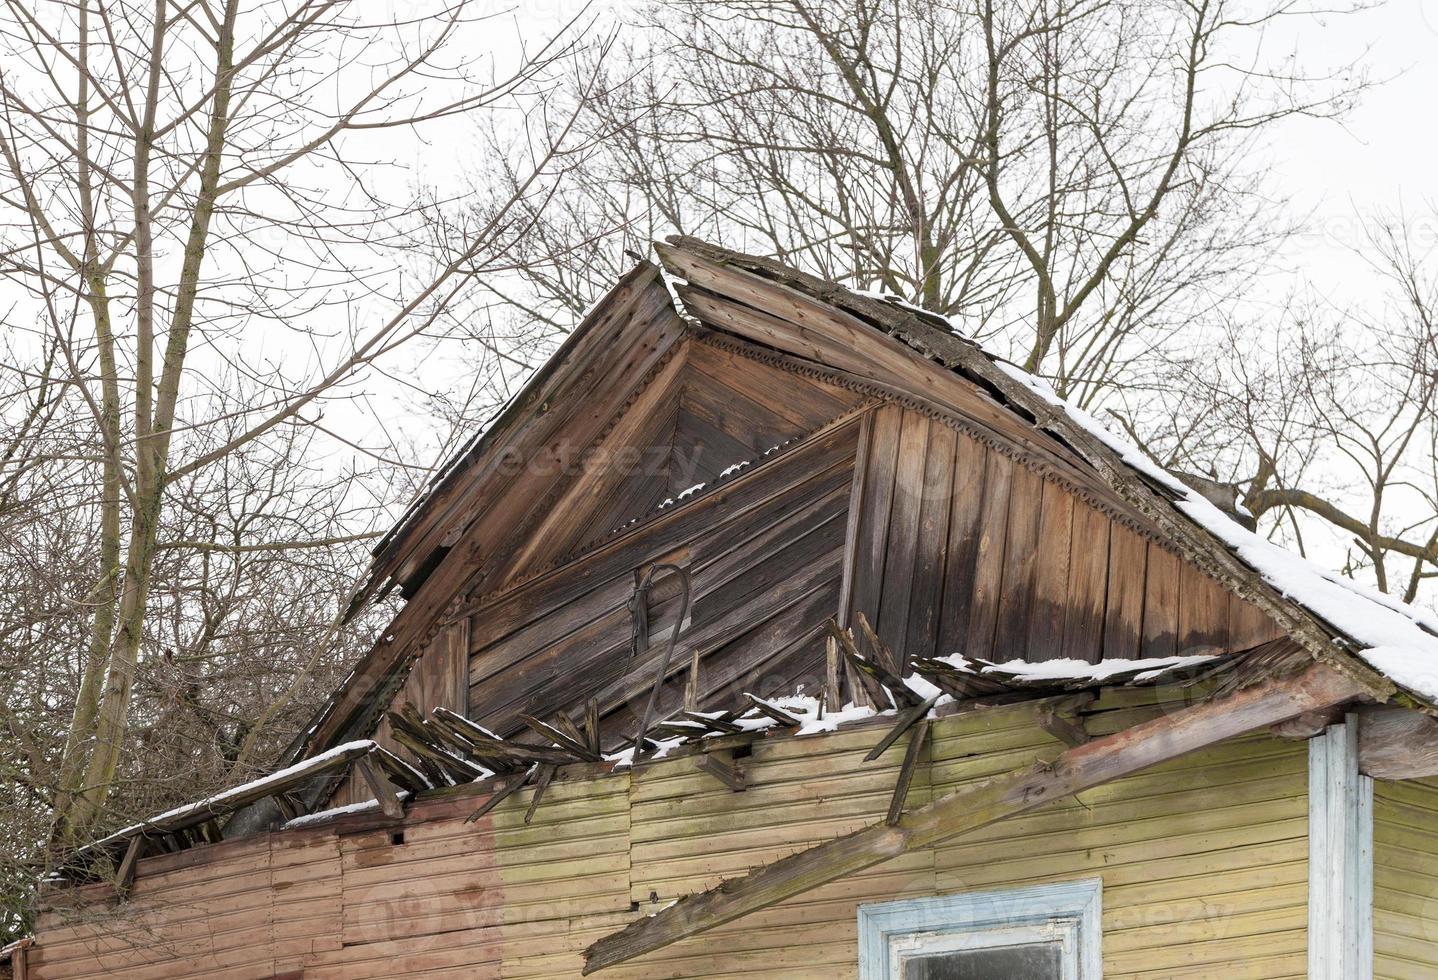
(1202, 613)
(1051, 574)
(901, 553)
(964, 531)
(1088, 584)
(990, 558)
(1016, 602)
(1160, 603)
(931, 559)
(1123, 612)
(877, 504)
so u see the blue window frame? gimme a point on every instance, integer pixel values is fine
(1037, 932)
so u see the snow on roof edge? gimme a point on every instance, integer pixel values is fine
(1396, 639)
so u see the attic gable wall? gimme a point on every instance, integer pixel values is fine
(765, 557)
(962, 549)
(702, 412)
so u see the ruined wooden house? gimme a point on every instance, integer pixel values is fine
(778, 630)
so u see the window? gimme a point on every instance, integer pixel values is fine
(1042, 932)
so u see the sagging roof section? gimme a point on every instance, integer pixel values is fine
(918, 360)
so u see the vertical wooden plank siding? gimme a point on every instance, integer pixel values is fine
(1203, 862)
(1405, 879)
(1160, 604)
(1051, 574)
(959, 590)
(1127, 574)
(1016, 599)
(1202, 614)
(1000, 562)
(881, 461)
(934, 518)
(901, 554)
(1088, 585)
(989, 560)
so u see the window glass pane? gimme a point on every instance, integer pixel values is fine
(1039, 961)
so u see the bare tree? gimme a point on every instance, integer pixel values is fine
(1076, 182)
(198, 216)
(1319, 425)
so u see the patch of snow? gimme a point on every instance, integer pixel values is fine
(220, 799)
(1076, 670)
(320, 816)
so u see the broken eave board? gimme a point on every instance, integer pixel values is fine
(228, 801)
(1091, 764)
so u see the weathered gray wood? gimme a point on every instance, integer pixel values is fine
(389, 802)
(125, 873)
(1397, 743)
(912, 754)
(722, 766)
(1099, 761)
(541, 783)
(906, 720)
(1064, 727)
(502, 792)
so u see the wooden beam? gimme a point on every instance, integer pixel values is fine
(906, 773)
(125, 874)
(721, 765)
(541, 783)
(389, 802)
(1067, 728)
(1397, 743)
(971, 807)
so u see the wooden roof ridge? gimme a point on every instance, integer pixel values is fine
(1152, 498)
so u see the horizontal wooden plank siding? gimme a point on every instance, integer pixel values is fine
(764, 556)
(962, 549)
(1405, 879)
(1204, 868)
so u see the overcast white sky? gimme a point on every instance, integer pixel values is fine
(1385, 157)
(1382, 159)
